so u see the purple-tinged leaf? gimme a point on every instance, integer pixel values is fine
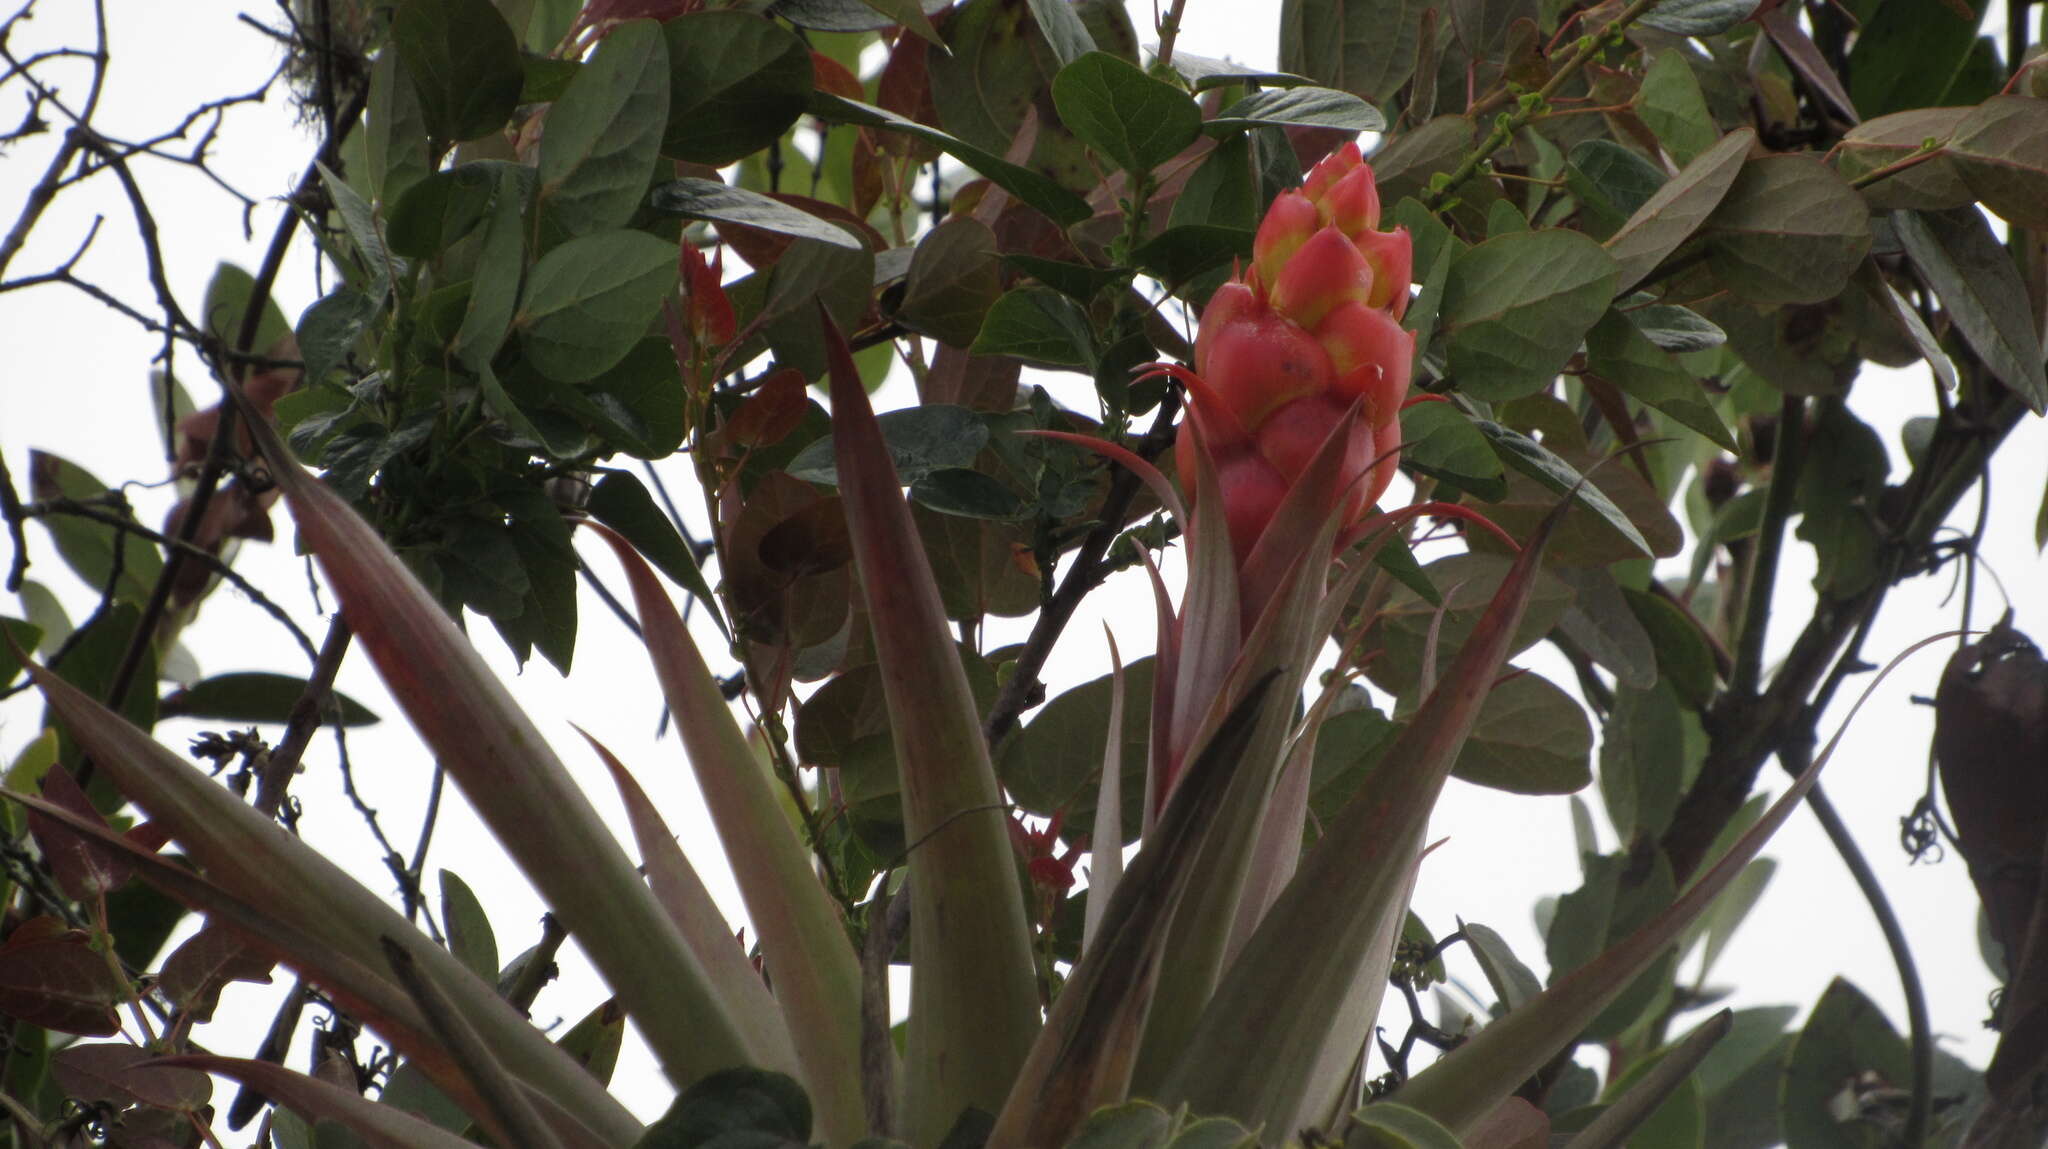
(1165, 670)
(1106, 856)
(1463, 1086)
(118, 1073)
(974, 1001)
(816, 976)
(83, 870)
(61, 983)
(193, 976)
(315, 917)
(513, 779)
(382, 1126)
(1084, 1057)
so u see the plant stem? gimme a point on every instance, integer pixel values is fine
(1169, 31)
(1756, 614)
(1505, 127)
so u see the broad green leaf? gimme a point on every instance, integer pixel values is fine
(955, 277)
(254, 696)
(694, 198)
(1678, 208)
(1512, 982)
(911, 15)
(588, 301)
(227, 304)
(1062, 28)
(595, 1041)
(365, 230)
(463, 60)
(1733, 907)
(1671, 104)
(329, 329)
(1391, 1125)
(1683, 658)
(787, 904)
(1051, 763)
(1132, 1125)
(469, 930)
(1846, 1037)
(968, 494)
(1179, 255)
(1516, 308)
(1126, 115)
(1931, 185)
(1923, 339)
(1205, 72)
(1365, 47)
(604, 133)
(1618, 352)
(1842, 475)
(1790, 230)
(1039, 326)
(1060, 205)
(1610, 182)
(87, 547)
(621, 502)
(1642, 761)
(737, 81)
(1675, 329)
(1543, 465)
(811, 273)
(1981, 291)
(1469, 582)
(1698, 17)
(1601, 623)
(1530, 738)
(500, 262)
(920, 440)
(1751, 1035)
(1298, 107)
(1221, 192)
(738, 1106)
(1440, 441)
(513, 779)
(439, 209)
(394, 132)
(842, 15)
(974, 1003)
(1912, 54)
(23, 635)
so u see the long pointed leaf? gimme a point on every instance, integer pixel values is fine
(1273, 1006)
(1610, 1130)
(336, 921)
(1463, 1086)
(384, 1126)
(973, 996)
(689, 905)
(1165, 671)
(816, 975)
(514, 780)
(1106, 853)
(1083, 1059)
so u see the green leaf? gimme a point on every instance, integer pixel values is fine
(25, 635)
(87, 547)
(1846, 1038)
(1062, 28)
(1658, 1102)
(1132, 1125)
(1512, 982)
(709, 199)
(1391, 1125)
(1041, 192)
(394, 132)
(227, 301)
(1205, 72)
(1642, 761)
(1982, 292)
(1126, 115)
(1440, 441)
(966, 493)
(1789, 231)
(1602, 624)
(1912, 54)
(1221, 192)
(604, 134)
(591, 299)
(747, 1107)
(1840, 482)
(736, 83)
(921, 439)
(1931, 185)
(1675, 329)
(469, 930)
(1515, 309)
(439, 209)
(1039, 326)
(1298, 107)
(1698, 17)
(955, 277)
(1181, 254)
(464, 63)
(620, 502)
(500, 261)
(1671, 105)
(328, 330)
(254, 696)
(1531, 738)
(1752, 1033)
(1365, 47)
(1052, 762)
(2001, 149)
(1683, 658)
(1677, 209)
(1610, 182)
(842, 15)
(1559, 477)
(1405, 624)
(1618, 352)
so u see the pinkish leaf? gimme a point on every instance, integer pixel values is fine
(61, 983)
(118, 1073)
(83, 870)
(195, 973)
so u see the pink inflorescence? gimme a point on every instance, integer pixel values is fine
(1288, 347)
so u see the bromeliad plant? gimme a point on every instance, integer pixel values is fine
(526, 296)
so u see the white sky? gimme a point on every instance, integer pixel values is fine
(74, 380)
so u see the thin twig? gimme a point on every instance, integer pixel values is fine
(304, 719)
